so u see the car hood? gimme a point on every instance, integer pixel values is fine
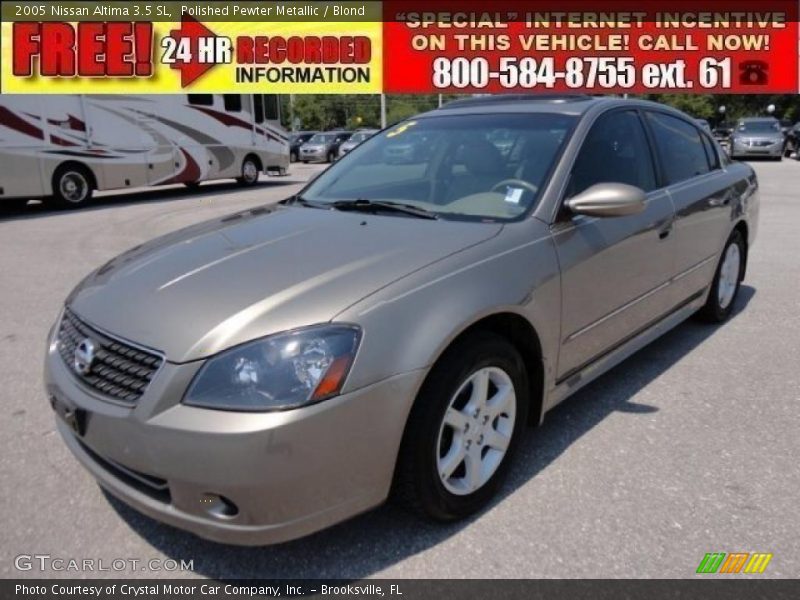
(211, 286)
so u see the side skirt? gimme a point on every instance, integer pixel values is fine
(573, 382)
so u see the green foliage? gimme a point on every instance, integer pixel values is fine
(736, 105)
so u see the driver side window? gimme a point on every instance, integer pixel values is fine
(615, 151)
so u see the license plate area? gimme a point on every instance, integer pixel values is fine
(76, 418)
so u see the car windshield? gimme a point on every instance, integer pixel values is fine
(759, 126)
(360, 137)
(321, 138)
(472, 167)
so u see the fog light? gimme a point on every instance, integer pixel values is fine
(219, 506)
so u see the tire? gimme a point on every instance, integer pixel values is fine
(420, 482)
(331, 157)
(305, 162)
(250, 171)
(72, 187)
(722, 296)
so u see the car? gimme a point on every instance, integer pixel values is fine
(394, 327)
(793, 141)
(359, 136)
(704, 124)
(296, 140)
(323, 147)
(758, 137)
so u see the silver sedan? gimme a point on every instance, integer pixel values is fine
(396, 326)
(758, 137)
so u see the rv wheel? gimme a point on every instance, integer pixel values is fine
(249, 171)
(72, 187)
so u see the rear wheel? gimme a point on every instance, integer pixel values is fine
(727, 280)
(463, 429)
(72, 187)
(250, 170)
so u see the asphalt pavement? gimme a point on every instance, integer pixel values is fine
(691, 446)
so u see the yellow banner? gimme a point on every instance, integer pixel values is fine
(191, 56)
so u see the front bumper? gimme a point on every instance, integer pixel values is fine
(314, 155)
(287, 474)
(773, 150)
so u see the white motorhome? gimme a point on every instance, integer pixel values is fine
(62, 147)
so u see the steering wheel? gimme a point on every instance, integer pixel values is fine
(516, 183)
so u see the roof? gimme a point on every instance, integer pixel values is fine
(565, 104)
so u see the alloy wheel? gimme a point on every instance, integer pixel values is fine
(476, 431)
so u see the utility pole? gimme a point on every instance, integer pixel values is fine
(440, 101)
(383, 111)
(291, 112)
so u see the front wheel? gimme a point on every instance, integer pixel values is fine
(72, 188)
(249, 174)
(727, 280)
(463, 429)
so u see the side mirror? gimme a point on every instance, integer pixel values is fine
(608, 200)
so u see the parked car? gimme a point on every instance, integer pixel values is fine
(323, 147)
(395, 327)
(359, 136)
(296, 140)
(793, 141)
(722, 133)
(758, 137)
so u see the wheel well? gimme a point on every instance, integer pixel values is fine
(741, 227)
(256, 160)
(523, 336)
(77, 166)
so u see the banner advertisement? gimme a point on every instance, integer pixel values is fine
(400, 47)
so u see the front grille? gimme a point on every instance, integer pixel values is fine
(119, 371)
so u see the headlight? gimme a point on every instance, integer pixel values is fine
(278, 372)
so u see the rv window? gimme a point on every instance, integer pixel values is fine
(258, 108)
(271, 107)
(201, 99)
(233, 102)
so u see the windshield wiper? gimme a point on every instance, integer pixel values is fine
(299, 200)
(365, 205)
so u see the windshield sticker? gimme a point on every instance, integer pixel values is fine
(514, 195)
(401, 128)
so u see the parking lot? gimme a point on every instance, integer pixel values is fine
(689, 447)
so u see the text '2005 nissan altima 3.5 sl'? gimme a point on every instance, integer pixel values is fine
(395, 326)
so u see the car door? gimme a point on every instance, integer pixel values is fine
(702, 194)
(615, 271)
